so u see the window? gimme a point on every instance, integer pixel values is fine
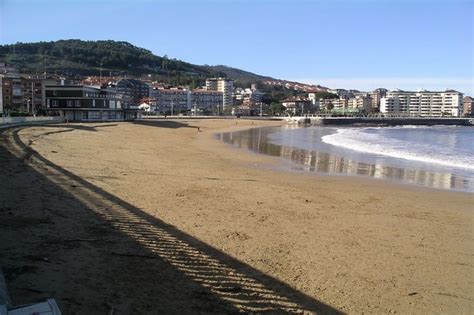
(94, 115)
(77, 103)
(69, 103)
(54, 103)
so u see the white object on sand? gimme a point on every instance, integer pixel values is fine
(49, 307)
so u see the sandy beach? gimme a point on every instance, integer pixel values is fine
(160, 217)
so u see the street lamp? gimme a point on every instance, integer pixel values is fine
(28, 101)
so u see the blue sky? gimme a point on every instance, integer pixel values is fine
(360, 44)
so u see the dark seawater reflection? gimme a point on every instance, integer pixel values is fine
(257, 140)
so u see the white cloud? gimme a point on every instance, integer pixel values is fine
(463, 85)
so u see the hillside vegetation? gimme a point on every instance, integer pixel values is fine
(80, 57)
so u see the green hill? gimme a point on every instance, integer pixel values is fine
(80, 57)
(241, 76)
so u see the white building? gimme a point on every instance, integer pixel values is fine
(248, 96)
(313, 98)
(423, 103)
(224, 85)
(176, 100)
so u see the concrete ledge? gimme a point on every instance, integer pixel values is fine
(6, 122)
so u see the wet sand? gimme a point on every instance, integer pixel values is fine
(153, 217)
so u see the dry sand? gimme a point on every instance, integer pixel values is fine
(156, 217)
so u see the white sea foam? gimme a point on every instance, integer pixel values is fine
(362, 140)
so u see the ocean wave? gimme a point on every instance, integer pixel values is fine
(374, 143)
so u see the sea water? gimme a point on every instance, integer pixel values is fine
(434, 156)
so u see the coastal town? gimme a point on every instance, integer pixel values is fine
(102, 98)
(236, 157)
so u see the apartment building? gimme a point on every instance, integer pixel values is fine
(207, 102)
(12, 93)
(376, 96)
(33, 91)
(297, 105)
(171, 101)
(423, 103)
(249, 97)
(25, 93)
(132, 90)
(224, 85)
(327, 104)
(468, 109)
(360, 103)
(85, 103)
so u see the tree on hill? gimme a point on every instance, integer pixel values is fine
(330, 107)
(325, 95)
(277, 108)
(94, 54)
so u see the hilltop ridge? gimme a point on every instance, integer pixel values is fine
(81, 57)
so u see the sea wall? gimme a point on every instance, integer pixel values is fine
(387, 121)
(11, 121)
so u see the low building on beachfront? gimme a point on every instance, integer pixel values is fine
(423, 103)
(85, 103)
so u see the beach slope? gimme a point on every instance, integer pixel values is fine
(158, 216)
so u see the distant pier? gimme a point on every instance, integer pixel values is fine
(381, 121)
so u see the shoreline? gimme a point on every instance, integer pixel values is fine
(348, 244)
(285, 164)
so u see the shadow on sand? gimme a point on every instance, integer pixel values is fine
(64, 237)
(173, 124)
